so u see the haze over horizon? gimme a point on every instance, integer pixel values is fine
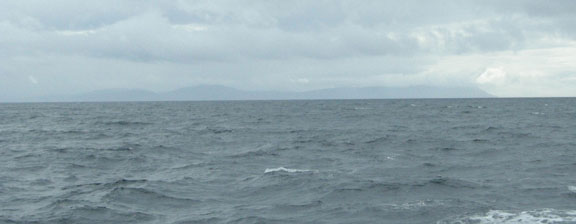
(216, 92)
(522, 48)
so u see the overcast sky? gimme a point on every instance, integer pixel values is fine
(506, 47)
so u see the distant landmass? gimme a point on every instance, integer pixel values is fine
(215, 92)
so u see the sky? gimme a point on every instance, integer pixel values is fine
(512, 48)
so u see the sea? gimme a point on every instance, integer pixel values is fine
(442, 161)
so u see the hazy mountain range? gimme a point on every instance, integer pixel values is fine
(214, 92)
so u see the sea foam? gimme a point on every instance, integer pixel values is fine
(282, 169)
(515, 217)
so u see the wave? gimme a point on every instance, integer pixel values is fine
(379, 139)
(95, 214)
(215, 130)
(265, 150)
(255, 219)
(362, 108)
(446, 149)
(282, 169)
(299, 207)
(89, 187)
(452, 182)
(141, 197)
(200, 220)
(68, 210)
(491, 128)
(480, 140)
(127, 147)
(191, 166)
(124, 123)
(355, 190)
(514, 217)
(253, 154)
(60, 131)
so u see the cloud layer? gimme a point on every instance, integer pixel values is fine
(510, 48)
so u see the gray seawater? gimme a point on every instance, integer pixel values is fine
(352, 161)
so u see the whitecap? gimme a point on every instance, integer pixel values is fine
(515, 217)
(572, 189)
(283, 169)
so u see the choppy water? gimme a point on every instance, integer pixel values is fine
(371, 161)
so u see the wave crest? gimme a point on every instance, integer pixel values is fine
(283, 169)
(512, 217)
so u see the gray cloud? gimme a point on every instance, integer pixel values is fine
(328, 42)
